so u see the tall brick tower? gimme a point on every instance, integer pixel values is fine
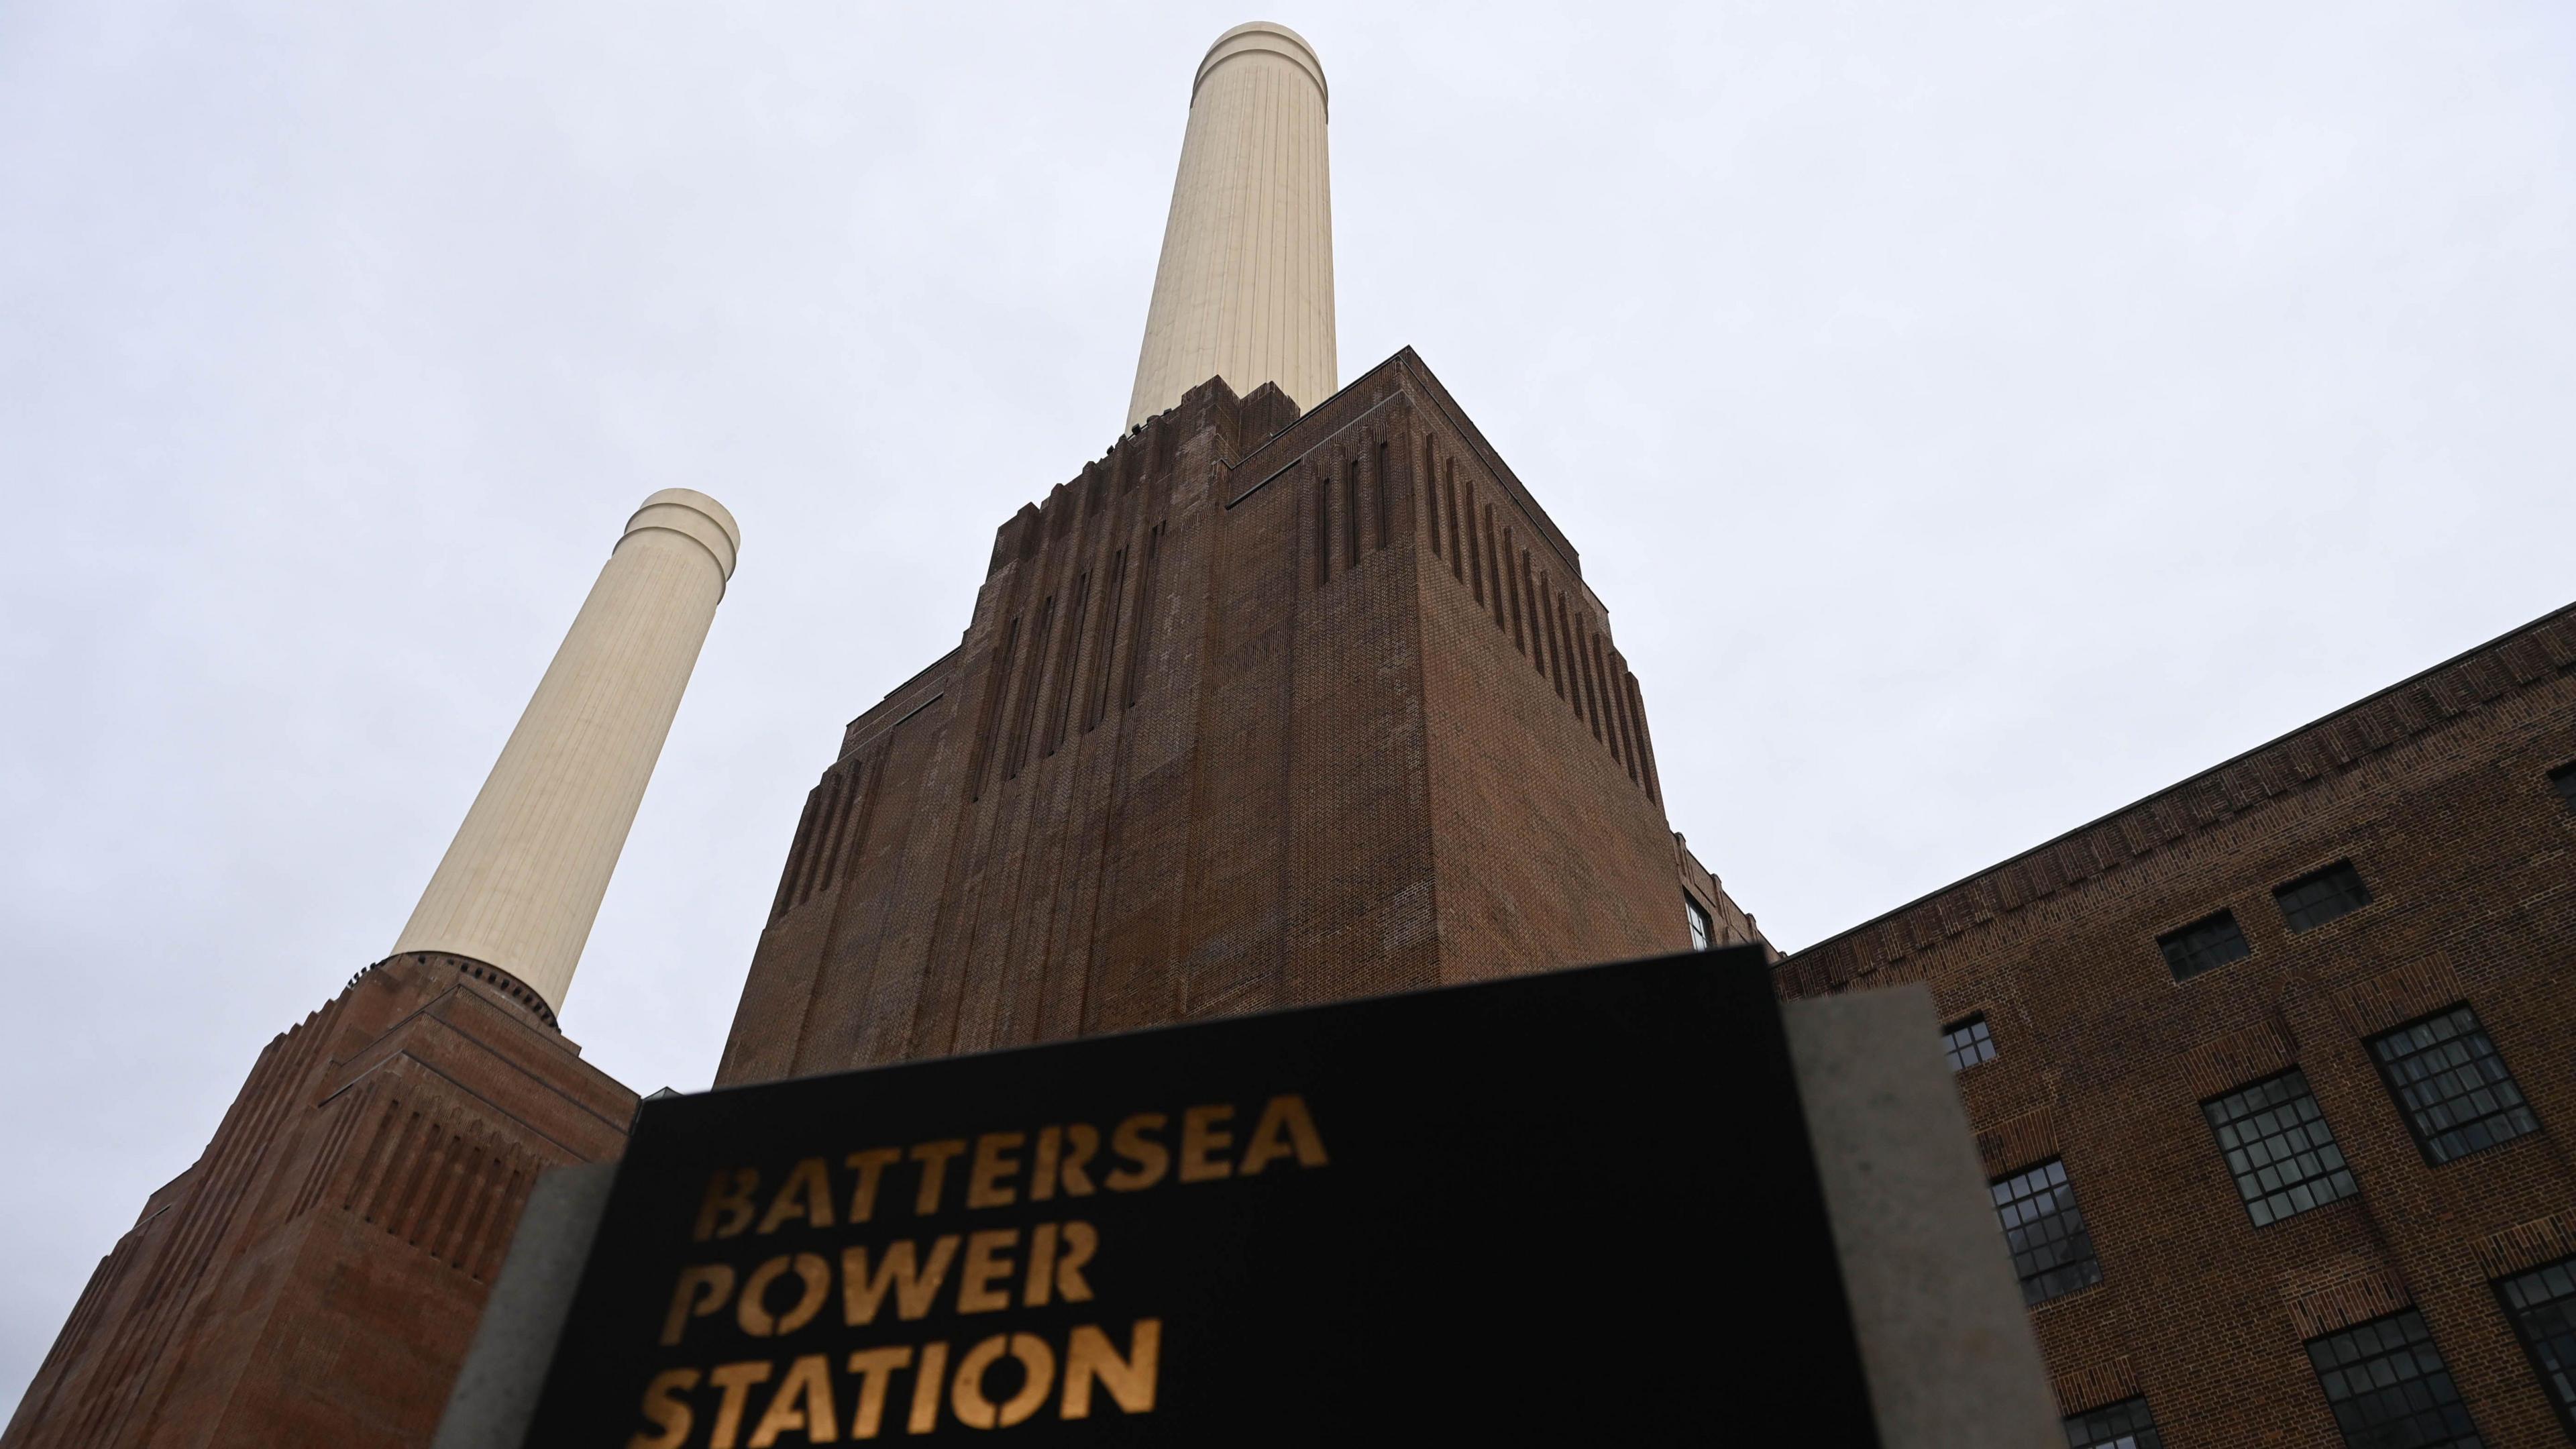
(1261, 708)
(315, 1276)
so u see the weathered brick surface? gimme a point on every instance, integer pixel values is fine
(314, 1278)
(1260, 709)
(2437, 790)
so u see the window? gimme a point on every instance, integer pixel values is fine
(2564, 778)
(2448, 1077)
(2542, 1305)
(2388, 1386)
(1967, 1043)
(2313, 900)
(1703, 931)
(2124, 1425)
(2045, 1231)
(2204, 944)
(2279, 1148)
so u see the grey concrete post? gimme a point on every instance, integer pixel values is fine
(514, 1346)
(1944, 1338)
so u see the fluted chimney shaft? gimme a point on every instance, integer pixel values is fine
(1244, 290)
(523, 879)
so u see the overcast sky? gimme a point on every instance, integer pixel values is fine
(1975, 417)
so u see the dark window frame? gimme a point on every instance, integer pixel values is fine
(2186, 948)
(2305, 1135)
(2124, 1421)
(2325, 887)
(2435, 1155)
(1702, 921)
(2563, 780)
(2413, 1338)
(1972, 1037)
(2045, 1278)
(2561, 1399)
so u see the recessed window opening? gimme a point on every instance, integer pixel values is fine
(2563, 779)
(2387, 1385)
(2051, 1249)
(1967, 1043)
(1703, 932)
(2542, 1305)
(2204, 945)
(2278, 1148)
(2313, 900)
(2452, 1084)
(2124, 1425)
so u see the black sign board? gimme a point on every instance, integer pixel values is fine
(1576, 1207)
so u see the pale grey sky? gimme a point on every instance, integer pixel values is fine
(1974, 416)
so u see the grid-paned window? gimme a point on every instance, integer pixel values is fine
(2389, 1388)
(2124, 1425)
(2564, 777)
(1702, 931)
(2279, 1148)
(2452, 1083)
(2210, 942)
(2043, 1227)
(2542, 1305)
(1967, 1043)
(2313, 900)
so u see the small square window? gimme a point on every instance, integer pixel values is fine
(2124, 1425)
(2542, 1305)
(2043, 1227)
(2564, 779)
(2278, 1147)
(1967, 1043)
(2453, 1085)
(2313, 900)
(2388, 1387)
(1702, 931)
(2203, 945)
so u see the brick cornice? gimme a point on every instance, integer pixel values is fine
(2534, 654)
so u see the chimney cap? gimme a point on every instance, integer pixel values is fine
(1263, 37)
(688, 512)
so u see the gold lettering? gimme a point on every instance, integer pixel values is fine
(730, 1204)
(1130, 1380)
(966, 1397)
(987, 1258)
(752, 1309)
(870, 1166)
(807, 1194)
(1080, 1242)
(934, 1158)
(1200, 1140)
(687, 1302)
(804, 1402)
(925, 1389)
(736, 1380)
(1150, 1157)
(1041, 1285)
(1082, 1143)
(668, 1411)
(1285, 1118)
(993, 1163)
(862, 1295)
(875, 1368)
(1042, 1171)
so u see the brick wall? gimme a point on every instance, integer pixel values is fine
(2437, 791)
(1259, 709)
(315, 1277)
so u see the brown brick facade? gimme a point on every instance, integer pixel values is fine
(314, 1277)
(1260, 709)
(2437, 791)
